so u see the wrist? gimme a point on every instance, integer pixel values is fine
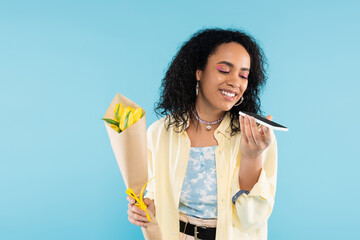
(252, 162)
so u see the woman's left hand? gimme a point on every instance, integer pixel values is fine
(254, 140)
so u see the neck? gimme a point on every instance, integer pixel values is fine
(207, 113)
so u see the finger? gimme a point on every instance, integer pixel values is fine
(248, 132)
(130, 206)
(131, 200)
(269, 117)
(138, 210)
(138, 223)
(150, 205)
(267, 133)
(262, 130)
(242, 128)
(255, 131)
(147, 201)
(136, 216)
(267, 136)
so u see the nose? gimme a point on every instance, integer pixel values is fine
(233, 84)
(236, 82)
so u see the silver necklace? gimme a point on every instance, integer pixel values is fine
(208, 124)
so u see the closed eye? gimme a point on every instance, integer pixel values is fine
(223, 68)
(222, 71)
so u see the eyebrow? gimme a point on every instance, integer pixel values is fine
(232, 65)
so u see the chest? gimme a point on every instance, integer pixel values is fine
(201, 137)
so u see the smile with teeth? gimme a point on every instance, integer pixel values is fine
(228, 94)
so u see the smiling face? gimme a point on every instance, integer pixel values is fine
(224, 79)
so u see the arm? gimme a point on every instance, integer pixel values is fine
(257, 174)
(249, 172)
(136, 215)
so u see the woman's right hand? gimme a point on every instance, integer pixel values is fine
(136, 215)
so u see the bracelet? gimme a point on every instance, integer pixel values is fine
(238, 194)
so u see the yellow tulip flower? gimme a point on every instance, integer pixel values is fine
(116, 108)
(118, 111)
(124, 117)
(116, 128)
(127, 109)
(122, 122)
(129, 119)
(137, 114)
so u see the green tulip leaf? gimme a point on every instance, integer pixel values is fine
(127, 120)
(117, 113)
(108, 120)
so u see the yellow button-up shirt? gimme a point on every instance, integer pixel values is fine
(168, 154)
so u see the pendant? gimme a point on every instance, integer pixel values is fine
(208, 127)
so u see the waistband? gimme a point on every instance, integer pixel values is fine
(210, 223)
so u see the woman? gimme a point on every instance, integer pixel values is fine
(215, 171)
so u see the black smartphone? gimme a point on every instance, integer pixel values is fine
(263, 121)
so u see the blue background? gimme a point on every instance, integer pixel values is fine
(62, 62)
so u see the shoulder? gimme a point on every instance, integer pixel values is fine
(165, 124)
(159, 136)
(157, 126)
(158, 131)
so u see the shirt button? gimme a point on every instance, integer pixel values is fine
(178, 188)
(175, 233)
(182, 165)
(186, 141)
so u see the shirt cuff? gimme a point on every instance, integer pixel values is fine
(238, 194)
(260, 189)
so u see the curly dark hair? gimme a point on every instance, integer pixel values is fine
(177, 97)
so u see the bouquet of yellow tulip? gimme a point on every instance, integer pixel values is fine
(130, 151)
(124, 118)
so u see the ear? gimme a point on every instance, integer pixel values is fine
(198, 74)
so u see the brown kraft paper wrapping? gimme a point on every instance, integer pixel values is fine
(130, 151)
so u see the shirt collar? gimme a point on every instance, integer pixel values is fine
(224, 126)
